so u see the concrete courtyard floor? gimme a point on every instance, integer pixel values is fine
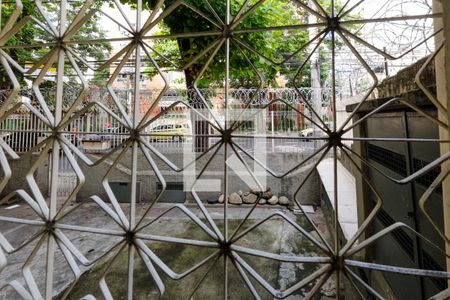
(275, 236)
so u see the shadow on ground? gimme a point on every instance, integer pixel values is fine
(275, 236)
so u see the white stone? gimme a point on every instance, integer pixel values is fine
(249, 198)
(283, 200)
(221, 197)
(255, 191)
(267, 194)
(235, 199)
(273, 200)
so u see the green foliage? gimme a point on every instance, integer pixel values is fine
(276, 45)
(31, 33)
(270, 44)
(25, 35)
(100, 78)
(283, 123)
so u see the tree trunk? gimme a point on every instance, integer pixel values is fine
(200, 126)
(316, 95)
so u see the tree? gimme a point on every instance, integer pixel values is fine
(254, 53)
(275, 45)
(248, 66)
(31, 34)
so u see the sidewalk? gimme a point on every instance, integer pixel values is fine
(346, 194)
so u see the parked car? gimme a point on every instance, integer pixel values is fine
(175, 132)
(108, 134)
(309, 132)
(306, 132)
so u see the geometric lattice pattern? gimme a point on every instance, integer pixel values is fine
(334, 260)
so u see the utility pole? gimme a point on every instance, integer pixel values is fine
(386, 65)
(316, 95)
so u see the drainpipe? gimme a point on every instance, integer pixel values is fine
(443, 94)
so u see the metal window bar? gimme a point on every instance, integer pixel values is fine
(334, 257)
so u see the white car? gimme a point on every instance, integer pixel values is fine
(306, 132)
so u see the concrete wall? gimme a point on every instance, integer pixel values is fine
(279, 162)
(404, 81)
(443, 96)
(20, 168)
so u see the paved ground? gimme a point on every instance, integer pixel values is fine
(272, 145)
(248, 143)
(346, 194)
(275, 236)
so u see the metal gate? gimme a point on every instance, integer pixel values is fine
(232, 44)
(67, 178)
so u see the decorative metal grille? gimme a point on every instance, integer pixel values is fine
(334, 260)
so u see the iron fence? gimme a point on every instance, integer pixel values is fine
(56, 236)
(23, 130)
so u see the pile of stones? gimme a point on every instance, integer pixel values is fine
(250, 197)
